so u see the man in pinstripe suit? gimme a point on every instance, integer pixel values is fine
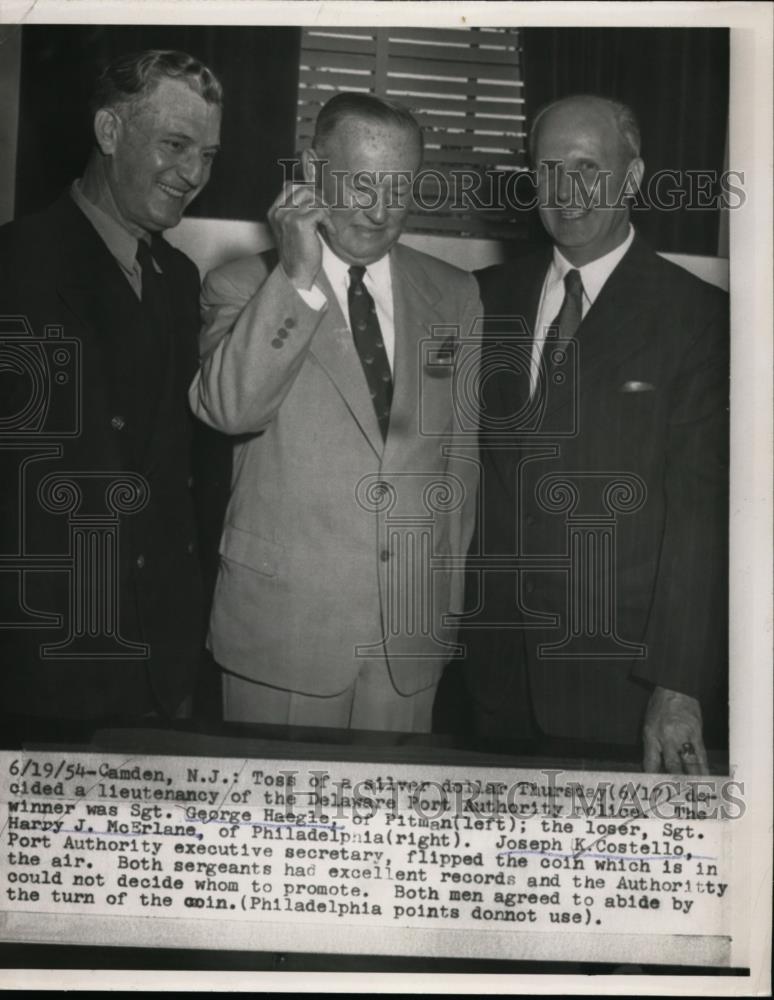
(622, 421)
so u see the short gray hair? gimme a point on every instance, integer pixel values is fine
(131, 78)
(625, 120)
(366, 107)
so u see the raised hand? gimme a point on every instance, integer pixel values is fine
(295, 217)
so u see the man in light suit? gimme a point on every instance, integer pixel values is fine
(352, 491)
(616, 430)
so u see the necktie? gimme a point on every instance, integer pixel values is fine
(153, 292)
(370, 346)
(569, 317)
(151, 345)
(156, 309)
(559, 371)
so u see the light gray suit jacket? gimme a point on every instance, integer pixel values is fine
(339, 545)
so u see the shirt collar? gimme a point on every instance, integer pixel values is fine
(119, 241)
(596, 272)
(337, 270)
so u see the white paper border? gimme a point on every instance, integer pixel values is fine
(752, 471)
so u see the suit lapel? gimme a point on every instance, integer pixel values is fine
(335, 350)
(414, 299)
(515, 321)
(615, 325)
(99, 296)
(180, 359)
(511, 316)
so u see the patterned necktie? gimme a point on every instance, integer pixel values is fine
(370, 346)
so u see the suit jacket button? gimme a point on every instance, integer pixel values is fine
(117, 423)
(282, 333)
(277, 342)
(140, 561)
(384, 555)
(290, 322)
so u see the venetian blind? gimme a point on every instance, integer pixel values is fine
(465, 87)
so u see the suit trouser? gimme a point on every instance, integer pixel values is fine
(371, 702)
(511, 716)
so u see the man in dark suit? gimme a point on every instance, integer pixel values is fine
(604, 447)
(101, 599)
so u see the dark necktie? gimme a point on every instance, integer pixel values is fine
(153, 292)
(569, 317)
(152, 343)
(370, 346)
(559, 370)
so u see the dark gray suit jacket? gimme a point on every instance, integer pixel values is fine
(134, 419)
(644, 403)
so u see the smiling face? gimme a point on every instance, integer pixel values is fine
(580, 137)
(367, 184)
(157, 156)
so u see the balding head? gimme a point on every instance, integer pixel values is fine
(585, 150)
(619, 115)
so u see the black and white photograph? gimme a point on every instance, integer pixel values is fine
(385, 497)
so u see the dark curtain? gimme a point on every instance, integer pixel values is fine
(675, 79)
(258, 67)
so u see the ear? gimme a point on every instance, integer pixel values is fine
(636, 171)
(107, 130)
(310, 167)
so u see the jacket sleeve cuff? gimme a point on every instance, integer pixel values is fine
(313, 297)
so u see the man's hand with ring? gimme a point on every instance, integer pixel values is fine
(672, 733)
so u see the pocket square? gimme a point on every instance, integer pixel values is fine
(635, 386)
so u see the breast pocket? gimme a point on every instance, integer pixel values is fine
(639, 402)
(636, 387)
(251, 551)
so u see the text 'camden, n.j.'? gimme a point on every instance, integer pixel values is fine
(402, 845)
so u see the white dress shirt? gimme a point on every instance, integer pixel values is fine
(378, 281)
(593, 275)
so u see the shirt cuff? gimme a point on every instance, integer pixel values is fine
(314, 297)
